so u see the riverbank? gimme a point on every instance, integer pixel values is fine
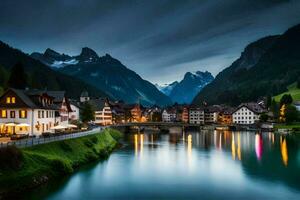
(26, 168)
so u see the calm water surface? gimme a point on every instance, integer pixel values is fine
(190, 165)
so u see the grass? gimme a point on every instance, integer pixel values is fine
(43, 162)
(292, 90)
(288, 126)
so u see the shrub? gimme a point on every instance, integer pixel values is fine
(117, 135)
(88, 143)
(94, 140)
(90, 156)
(61, 167)
(65, 146)
(11, 158)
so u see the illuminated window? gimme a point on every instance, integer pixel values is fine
(23, 114)
(3, 114)
(13, 100)
(8, 100)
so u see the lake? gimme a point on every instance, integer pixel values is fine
(189, 165)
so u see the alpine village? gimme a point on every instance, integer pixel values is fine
(58, 112)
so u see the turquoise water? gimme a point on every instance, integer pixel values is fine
(190, 165)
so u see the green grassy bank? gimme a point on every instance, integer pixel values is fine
(293, 90)
(295, 127)
(30, 167)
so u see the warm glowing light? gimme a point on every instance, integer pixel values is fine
(189, 147)
(284, 151)
(135, 144)
(233, 147)
(282, 113)
(239, 153)
(8, 100)
(258, 146)
(3, 113)
(141, 143)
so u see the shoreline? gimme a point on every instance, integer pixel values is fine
(42, 163)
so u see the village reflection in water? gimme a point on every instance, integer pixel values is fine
(240, 144)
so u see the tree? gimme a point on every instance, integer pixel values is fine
(291, 114)
(87, 113)
(275, 109)
(17, 78)
(263, 117)
(3, 76)
(269, 101)
(298, 83)
(286, 99)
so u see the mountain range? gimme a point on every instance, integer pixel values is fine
(185, 90)
(40, 76)
(104, 73)
(266, 67)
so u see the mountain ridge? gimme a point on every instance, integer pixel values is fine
(276, 65)
(110, 75)
(185, 90)
(41, 76)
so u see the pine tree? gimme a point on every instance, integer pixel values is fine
(87, 113)
(286, 99)
(17, 78)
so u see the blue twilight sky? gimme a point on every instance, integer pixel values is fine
(159, 39)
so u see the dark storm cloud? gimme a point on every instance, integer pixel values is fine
(159, 39)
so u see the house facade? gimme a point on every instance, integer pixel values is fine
(169, 115)
(196, 115)
(247, 113)
(225, 116)
(185, 114)
(29, 112)
(103, 111)
(64, 108)
(75, 113)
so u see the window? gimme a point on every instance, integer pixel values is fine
(42, 114)
(13, 100)
(12, 114)
(3, 114)
(47, 114)
(23, 114)
(39, 114)
(8, 100)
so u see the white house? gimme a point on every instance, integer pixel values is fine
(63, 105)
(26, 112)
(75, 114)
(103, 111)
(169, 115)
(247, 113)
(196, 115)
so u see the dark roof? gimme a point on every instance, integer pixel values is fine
(84, 94)
(58, 95)
(26, 99)
(98, 104)
(31, 98)
(213, 108)
(254, 107)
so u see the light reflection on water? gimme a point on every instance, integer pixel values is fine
(191, 165)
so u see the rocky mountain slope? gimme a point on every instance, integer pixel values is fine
(266, 67)
(41, 76)
(185, 90)
(105, 73)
